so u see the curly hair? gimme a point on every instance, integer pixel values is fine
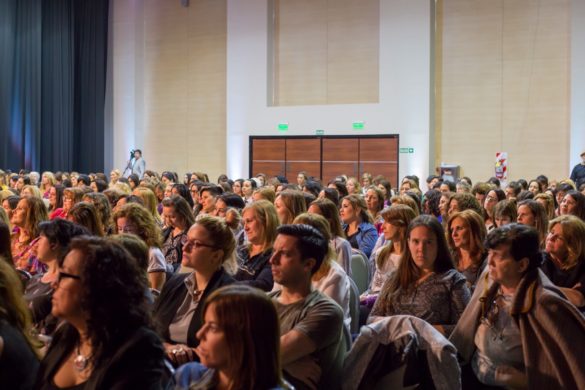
(431, 202)
(113, 296)
(102, 206)
(148, 230)
(466, 201)
(86, 215)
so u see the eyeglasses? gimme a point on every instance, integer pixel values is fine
(197, 244)
(62, 275)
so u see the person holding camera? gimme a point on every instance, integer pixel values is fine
(136, 164)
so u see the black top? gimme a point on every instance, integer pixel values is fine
(138, 363)
(171, 297)
(562, 278)
(18, 363)
(254, 271)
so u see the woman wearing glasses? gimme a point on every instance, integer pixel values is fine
(105, 341)
(260, 222)
(178, 313)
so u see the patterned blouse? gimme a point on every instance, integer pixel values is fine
(439, 299)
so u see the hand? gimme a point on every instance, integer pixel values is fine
(179, 354)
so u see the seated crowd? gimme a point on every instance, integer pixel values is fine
(154, 282)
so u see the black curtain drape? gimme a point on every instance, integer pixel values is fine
(53, 81)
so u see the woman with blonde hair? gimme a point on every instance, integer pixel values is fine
(114, 176)
(236, 350)
(26, 218)
(133, 218)
(548, 202)
(47, 182)
(30, 190)
(19, 353)
(150, 203)
(260, 222)
(353, 186)
(564, 261)
(340, 245)
(358, 224)
(289, 204)
(466, 235)
(178, 312)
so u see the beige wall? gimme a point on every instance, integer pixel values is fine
(178, 83)
(503, 77)
(325, 51)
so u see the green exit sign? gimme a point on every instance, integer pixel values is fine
(319, 132)
(358, 125)
(406, 150)
(283, 126)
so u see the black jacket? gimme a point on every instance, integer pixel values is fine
(137, 364)
(171, 297)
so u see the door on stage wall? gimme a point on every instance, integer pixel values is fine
(325, 157)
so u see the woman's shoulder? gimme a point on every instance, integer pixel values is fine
(189, 373)
(451, 276)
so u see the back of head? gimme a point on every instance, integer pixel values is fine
(294, 202)
(135, 246)
(254, 346)
(61, 232)
(330, 211)
(85, 214)
(310, 242)
(522, 240)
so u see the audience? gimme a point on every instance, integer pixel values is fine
(417, 267)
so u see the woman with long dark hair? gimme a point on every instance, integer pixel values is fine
(426, 284)
(107, 340)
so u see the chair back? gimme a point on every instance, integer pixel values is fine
(360, 272)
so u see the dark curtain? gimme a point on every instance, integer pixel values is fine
(52, 80)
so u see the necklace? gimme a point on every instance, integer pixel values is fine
(80, 362)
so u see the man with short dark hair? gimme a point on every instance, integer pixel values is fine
(136, 165)
(312, 344)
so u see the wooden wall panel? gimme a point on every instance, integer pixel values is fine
(303, 155)
(340, 156)
(184, 89)
(325, 52)
(503, 85)
(269, 157)
(379, 156)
